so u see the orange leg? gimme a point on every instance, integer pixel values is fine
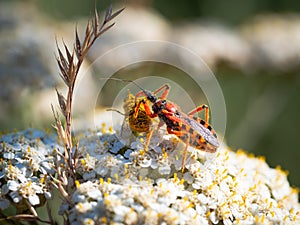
(147, 109)
(165, 93)
(165, 88)
(200, 108)
(187, 141)
(151, 115)
(149, 135)
(184, 153)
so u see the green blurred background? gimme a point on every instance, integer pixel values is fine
(263, 104)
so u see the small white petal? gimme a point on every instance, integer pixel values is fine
(188, 178)
(78, 198)
(154, 164)
(13, 185)
(166, 169)
(137, 207)
(83, 207)
(101, 170)
(127, 153)
(203, 199)
(157, 149)
(224, 187)
(213, 217)
(16, 147)
(227, 222)
(22, 178)
(15, 197)
(42, 170)
(95, 194)
(47, 166)
(116, 148)
(48, 195)
(9, 155)
(145, 162)
(201, 209)
(88, 221)
(34, 199)
(196, 185)
(38, 189)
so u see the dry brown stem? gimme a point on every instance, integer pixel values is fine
(69, 63)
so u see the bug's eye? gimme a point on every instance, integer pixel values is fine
(163, 102)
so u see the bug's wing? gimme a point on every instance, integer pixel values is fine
(206, 133)
(125, 130)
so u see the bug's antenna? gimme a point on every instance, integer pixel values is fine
(148, 94)
(115, 110)
(124, 80)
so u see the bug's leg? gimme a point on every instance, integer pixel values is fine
(139, 94)
(166, 90)
(160, 124)
(187, 141)
(149, 135)
(200, 108)
(136, 111)
(147, 109)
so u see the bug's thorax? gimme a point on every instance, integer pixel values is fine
(164, 106)
(166, 111)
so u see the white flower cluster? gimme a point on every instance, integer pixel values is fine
(123, 184)
(26, 163)
(126, 185)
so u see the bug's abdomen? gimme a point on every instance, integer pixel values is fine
(142, 123)
(195, 139)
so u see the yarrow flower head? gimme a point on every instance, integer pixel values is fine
(121, 183)
(132, 186)
(26, 167)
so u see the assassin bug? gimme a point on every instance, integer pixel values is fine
(192, 130)
(188, 128)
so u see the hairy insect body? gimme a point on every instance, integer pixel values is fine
(139, 123)
(136, 120)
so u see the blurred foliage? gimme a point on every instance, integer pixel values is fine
(69, 9)
(230, 12)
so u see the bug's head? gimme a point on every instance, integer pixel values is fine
(151, 97)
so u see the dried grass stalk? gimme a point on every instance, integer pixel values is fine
(69, 63)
